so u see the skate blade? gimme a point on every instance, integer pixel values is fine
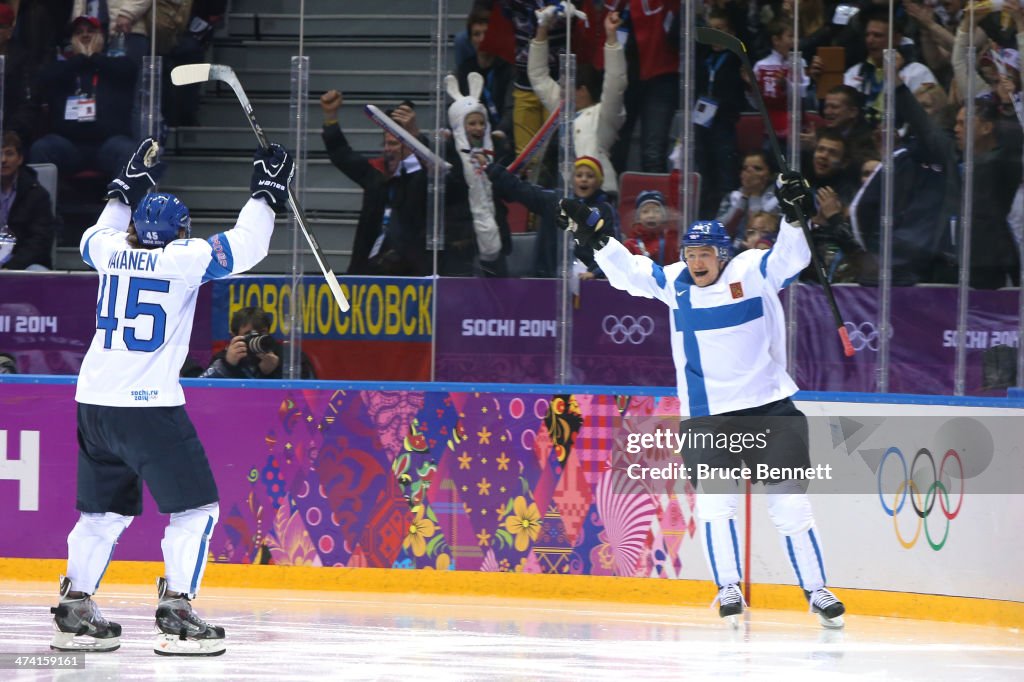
(836, 623)
(172, 645)
(68, 641)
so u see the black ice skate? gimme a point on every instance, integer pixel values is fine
(180, 632)
(829, 609)
(78, 624)
(730, 603)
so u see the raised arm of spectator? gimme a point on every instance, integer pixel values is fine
(612, 113)
(936, 40)
(339, 151)
(958, 58)
(129, 12)
(543, 85)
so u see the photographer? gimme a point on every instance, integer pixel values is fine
(252, 352)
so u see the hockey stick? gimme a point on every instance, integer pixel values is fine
(200, 73)
(710, 36)
(417, 147)
(537, 142)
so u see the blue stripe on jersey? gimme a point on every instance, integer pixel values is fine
(790, 280)
(764, 262)
(689, 320)
(85, 251)
(696, 392)
(658, 273)
(720, 316)
(221, 260)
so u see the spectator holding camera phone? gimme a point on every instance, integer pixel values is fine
(252, 353)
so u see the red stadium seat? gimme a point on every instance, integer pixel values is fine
(631, 184)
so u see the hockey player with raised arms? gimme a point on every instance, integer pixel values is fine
(132, 424)
(729, 350)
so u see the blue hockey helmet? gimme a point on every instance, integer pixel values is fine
(158, 219)
(709, 233)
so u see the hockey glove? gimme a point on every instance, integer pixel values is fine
(793, 191)
(584, 221)
(547, 16)
(272, 172)
(138, 177)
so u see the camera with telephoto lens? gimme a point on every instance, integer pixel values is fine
(257, 343)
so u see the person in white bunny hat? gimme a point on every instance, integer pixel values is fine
(471, 132)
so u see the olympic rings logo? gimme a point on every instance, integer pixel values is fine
(864, 335)
(908, 489)
(627, 328)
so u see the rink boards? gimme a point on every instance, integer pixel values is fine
(516, 479)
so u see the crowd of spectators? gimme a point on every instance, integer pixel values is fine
(73, 73)
(627, 93)
(70, 97)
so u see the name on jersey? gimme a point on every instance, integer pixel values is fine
(133, 260)
(145, 396)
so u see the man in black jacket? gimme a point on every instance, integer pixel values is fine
(391, 233)
(24, 209)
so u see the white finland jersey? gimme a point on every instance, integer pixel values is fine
(147, 299)
(729, 338)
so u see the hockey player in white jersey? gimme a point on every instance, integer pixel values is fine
(728, 347)
(132, 424)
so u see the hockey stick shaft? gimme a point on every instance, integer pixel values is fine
(195, 73)
(710, 36)
(418, 148)
(537, 141)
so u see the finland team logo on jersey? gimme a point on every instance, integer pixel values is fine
(736, 289)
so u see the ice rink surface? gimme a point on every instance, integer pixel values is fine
(308, 635)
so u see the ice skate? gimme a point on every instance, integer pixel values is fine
(829, 609)
(180, 632)
(730, 604)
(78, 624)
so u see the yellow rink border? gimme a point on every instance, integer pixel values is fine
(534, 586)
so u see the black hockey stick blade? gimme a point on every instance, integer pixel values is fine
(712, 36)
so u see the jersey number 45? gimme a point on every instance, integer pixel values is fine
(113, 318)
